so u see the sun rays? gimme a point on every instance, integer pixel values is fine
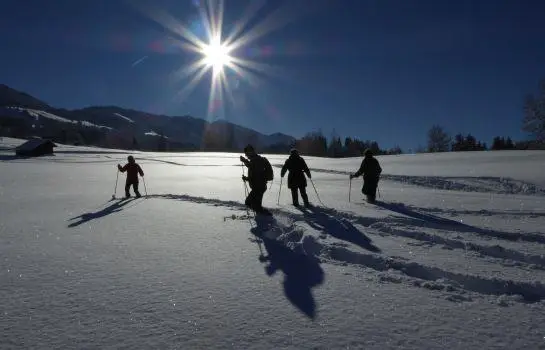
(216, 55)
(224, 56)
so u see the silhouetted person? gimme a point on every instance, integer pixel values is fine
(371, 170)
(297, 168)
(132, 169)
(259, 172)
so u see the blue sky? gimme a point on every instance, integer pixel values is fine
(384, 70)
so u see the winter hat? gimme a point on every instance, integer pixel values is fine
(249, 148)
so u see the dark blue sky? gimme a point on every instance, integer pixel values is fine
(384, 70)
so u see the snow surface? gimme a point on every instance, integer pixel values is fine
(153, 133)
(123, 117)
(37, 114)
(450, 257)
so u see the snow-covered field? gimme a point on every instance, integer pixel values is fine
(452, 256)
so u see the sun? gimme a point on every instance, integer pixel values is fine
(216, 54)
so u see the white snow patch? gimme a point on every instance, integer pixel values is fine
(153, 133)
(123, 117)
(37, 114)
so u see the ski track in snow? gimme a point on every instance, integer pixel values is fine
(340, 225)
(392, 243)
(484, 184)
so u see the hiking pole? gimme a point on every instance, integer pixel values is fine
(115, 188)
(245, 194)
(317, 195)
(280, 189)
(349, 189)
(244, 182)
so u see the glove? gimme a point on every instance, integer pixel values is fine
(242, 159)
(244, 178)
(352, 176)
(309, 176)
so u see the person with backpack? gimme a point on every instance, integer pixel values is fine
(297, 182)
(133, 169)
(371, 170)
(259, 172)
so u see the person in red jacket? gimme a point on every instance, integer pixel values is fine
(133, 169)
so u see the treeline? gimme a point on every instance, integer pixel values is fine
(533, 122)
(316, 144)
(440, 141)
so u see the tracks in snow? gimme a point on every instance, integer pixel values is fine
(483, 184)
(455, 284)
(350, 245)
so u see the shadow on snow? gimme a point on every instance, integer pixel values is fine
(301, 271)
(437, 222)
(115, 207)
(340, 228)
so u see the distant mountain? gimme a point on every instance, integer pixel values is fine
(12, 97)
(22, 115)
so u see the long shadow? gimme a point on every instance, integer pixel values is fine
(116, 206)
(344, 230)
(339, 228)
(432, 221)
(301, 272)
(200, 200)
(482, 212)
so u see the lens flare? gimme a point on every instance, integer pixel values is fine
(223, 53)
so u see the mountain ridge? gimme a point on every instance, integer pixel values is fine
(23, 114)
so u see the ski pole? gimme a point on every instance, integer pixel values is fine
(349, 189)
(280, 189)
(115, 188)
(246, 193)
(317, 195)
(378, 188)
(244, 182)
(145, 189)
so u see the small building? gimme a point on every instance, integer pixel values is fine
(35, 147)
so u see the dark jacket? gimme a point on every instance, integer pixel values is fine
(370, 168)
(132, 169)
(257, 170)
(297, 167)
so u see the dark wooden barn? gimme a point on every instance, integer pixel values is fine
(35, 148)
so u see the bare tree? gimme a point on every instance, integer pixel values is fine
(438, 139)
(534, 114)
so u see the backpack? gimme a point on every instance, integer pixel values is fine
(269, 174)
